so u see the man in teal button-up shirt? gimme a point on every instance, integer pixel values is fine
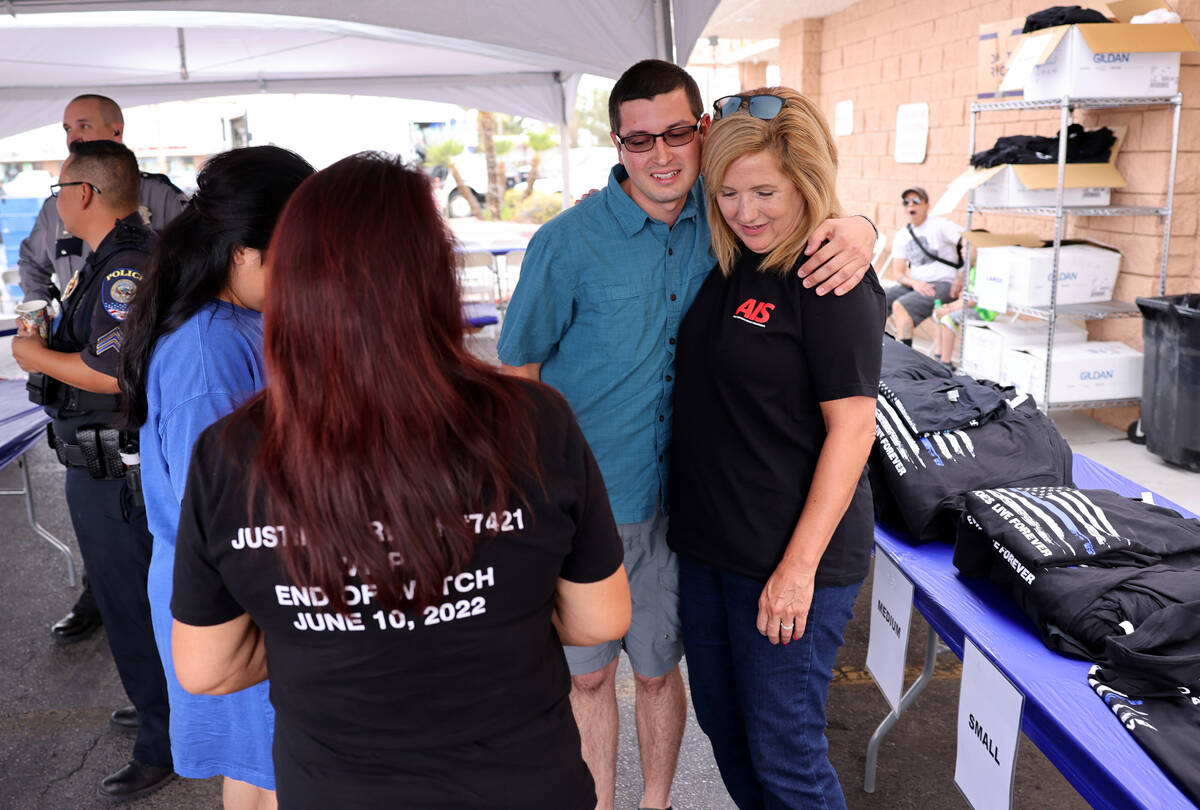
(603, 289)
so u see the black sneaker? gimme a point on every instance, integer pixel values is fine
(135, 780)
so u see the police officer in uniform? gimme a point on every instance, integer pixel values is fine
(74, 377)
(51, 255)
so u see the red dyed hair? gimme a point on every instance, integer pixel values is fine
(374, 409)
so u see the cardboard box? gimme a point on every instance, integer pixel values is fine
(1100, 60)
(1013, 186)
(997, 42)
(1095, 370)
(1019, 185)
(984, 344)
(1013, 269)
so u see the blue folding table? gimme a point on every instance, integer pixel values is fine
(1063, 716)
(22, 425)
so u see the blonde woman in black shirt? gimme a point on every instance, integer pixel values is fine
(774, 419)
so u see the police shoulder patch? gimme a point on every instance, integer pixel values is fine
(117, 291)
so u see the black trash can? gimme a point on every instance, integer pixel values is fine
(1171, 378)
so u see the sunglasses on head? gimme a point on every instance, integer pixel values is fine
(912, 201)
(761, 106)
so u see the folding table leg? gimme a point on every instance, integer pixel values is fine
(499, 265)
(931, 654)
(40, 530)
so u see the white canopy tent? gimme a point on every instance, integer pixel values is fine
(522, 57)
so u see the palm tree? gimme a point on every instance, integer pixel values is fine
(487, 142)
(539, 142)
(503, 147)
(443, 154)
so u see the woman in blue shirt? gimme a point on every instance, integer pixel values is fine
(193, 353)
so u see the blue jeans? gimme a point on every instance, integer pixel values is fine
(762, 706)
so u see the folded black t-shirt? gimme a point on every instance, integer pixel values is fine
(1151, 680)
(927, 477)
(941, 404)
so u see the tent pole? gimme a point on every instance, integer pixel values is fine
(564, 146)
(564, 140)
(664, 30)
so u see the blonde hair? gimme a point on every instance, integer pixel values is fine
(799, 140)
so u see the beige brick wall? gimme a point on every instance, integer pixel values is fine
(751, 75)
(882, 53)
(800, 56)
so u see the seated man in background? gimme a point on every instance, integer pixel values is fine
(925, 260)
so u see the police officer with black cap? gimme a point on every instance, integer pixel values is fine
(51, 255)
(74, 377)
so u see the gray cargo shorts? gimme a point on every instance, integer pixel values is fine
(919, 307)
(653, 641)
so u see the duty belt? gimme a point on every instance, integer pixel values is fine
(51, 393)
(97, 448)
(79, 400)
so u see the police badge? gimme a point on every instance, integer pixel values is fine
(71, 285)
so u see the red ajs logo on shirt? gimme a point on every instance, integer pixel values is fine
(754, 312)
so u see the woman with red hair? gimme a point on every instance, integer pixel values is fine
(398, 533)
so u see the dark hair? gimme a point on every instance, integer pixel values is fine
(240, 196)
(647, 79)
(110, 167)
(374, 409)
(110, 110)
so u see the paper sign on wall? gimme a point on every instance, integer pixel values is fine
(989, 722)
(891, 612)
(912, 132)
(843, 118)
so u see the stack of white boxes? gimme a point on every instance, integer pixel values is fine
(1094, 370)
(1011, 272)
(985, 345)
(1100, 60)
(1087, 273)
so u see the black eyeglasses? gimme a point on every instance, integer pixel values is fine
(760, 106)
(907, 201)
(57, 187)
(644, 141)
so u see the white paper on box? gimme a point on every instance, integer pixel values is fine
(1023, 62)
(891, 614)
(989, 725)
(991, 285)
